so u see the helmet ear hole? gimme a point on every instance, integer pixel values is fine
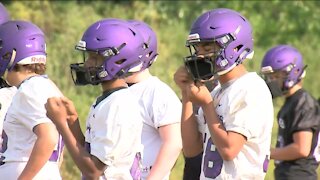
(149, 54)
(237, 49)
(121, 61)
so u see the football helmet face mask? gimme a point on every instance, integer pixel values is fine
(282, 67)
(230, 31)
(21, 42)
(118, 42)
(151, 43)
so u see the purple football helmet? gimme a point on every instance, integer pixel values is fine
(4, 15)
(230, 31)
(150, 40)
(283, 59)
(118, 42)
(21, 42)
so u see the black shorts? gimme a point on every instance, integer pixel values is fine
(192, 167)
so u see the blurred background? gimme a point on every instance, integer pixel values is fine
(274, 22)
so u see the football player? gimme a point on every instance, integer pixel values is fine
(232, 129)
(111, 147)
(31, 145)
(161, 110)
(296, 150)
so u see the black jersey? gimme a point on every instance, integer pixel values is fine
(300, 112)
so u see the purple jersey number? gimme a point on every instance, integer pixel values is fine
(212, 161)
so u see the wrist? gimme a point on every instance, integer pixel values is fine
(72, 120)
(208, 102)
(184, 97)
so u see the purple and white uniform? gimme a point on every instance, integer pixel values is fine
(113, 132)
(27, 111)
(243, 106)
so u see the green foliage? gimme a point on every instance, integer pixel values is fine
(273, 22)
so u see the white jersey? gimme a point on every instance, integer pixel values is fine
(6, 95)
(243, 106)
(27, 111)
(113, 131)
(160, 106)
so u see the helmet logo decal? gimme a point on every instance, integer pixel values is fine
(42, 59)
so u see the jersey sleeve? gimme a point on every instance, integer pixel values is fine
(32, 98)
(239, 110)
(245, 111)
(166, 108)
(307, 116)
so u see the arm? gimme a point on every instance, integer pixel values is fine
(47, 138)
(228, 143)
(191, 137)
(300, 148)
(169, 151)
(90, 166)
(73, 121)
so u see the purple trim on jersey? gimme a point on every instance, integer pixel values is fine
(87, 147)
(54, 156)
(265, 164)
(57, 153)
(4, 137)
(1, 160)
(135, 170)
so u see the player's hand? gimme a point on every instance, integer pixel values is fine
(72, 114)
(196, 93)
(56, 111)
(182, 78)
(199, 94)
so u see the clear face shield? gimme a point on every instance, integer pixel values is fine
(201, 63)
(276, 79)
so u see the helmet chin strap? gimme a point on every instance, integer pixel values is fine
(13, 56)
